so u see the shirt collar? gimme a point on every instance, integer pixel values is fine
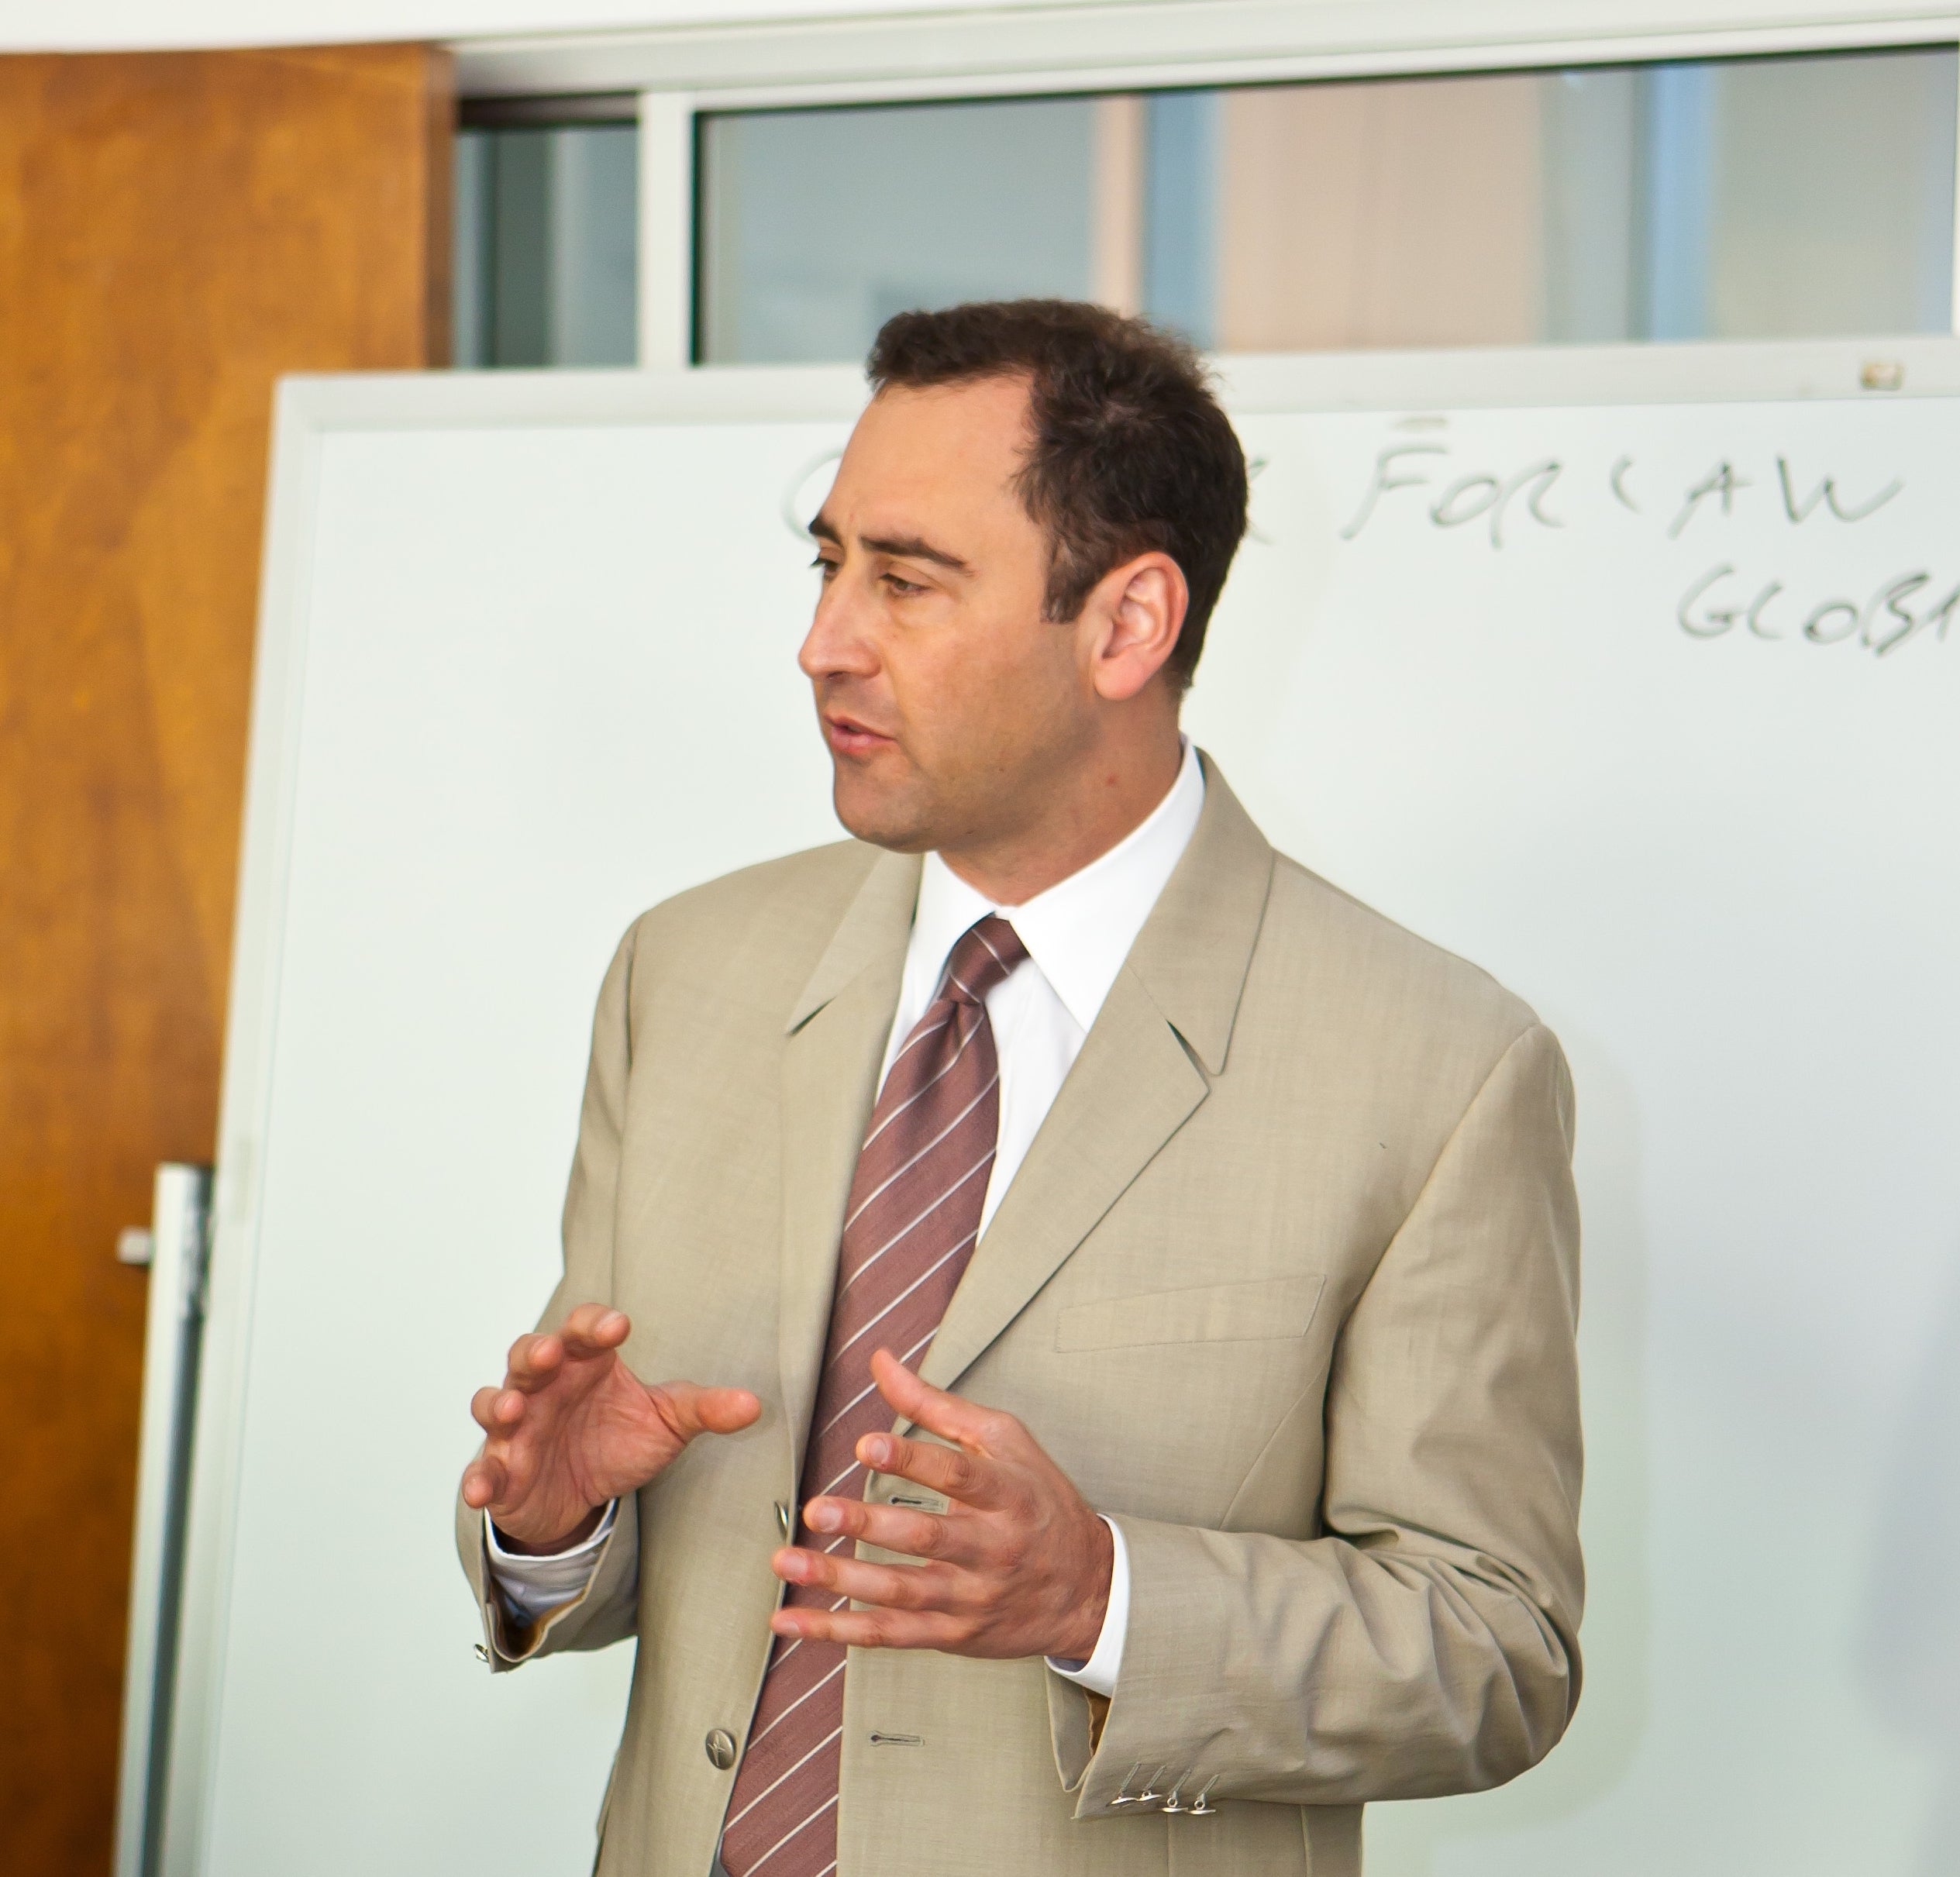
(1080, 931)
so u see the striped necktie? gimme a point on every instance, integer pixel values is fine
(909, 1228)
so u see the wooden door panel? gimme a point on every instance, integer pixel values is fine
(176, 230)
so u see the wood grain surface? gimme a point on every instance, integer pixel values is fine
(176, 230)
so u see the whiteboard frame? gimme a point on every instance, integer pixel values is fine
(311, 410)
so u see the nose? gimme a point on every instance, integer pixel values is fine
(837, 643)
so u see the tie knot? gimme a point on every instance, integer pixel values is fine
(987, 951)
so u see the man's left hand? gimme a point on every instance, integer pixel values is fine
(1019, 1564)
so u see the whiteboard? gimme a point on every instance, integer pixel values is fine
(1682, 768)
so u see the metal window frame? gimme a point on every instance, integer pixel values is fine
(680, 73)
(1051, 49)
(977, 51)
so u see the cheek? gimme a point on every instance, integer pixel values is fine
(1001, 686)
(946, 684)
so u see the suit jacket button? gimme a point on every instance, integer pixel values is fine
(782, 1520)
(720, 1744)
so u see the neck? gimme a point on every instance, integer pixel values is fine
(1109, 799)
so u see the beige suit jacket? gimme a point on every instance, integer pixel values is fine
(1287, 1284)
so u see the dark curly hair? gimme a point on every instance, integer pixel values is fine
(1132, 452)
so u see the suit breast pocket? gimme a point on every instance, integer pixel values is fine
(1261, 1310)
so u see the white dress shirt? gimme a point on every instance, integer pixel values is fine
(1077, 935)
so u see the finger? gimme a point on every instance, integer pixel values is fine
(592, 1329)
(533, 1361)
(689, 1409)
(871, 1629)
(483, 1481)
(967, 1477)
(948, 1416)
(889, 1587)
(912, 1534)
(497, 1410)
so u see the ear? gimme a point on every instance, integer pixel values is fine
(1134, 613)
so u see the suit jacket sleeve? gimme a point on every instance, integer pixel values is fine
(1427, 1643)
(605, 1611)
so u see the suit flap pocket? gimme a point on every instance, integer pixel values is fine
(1266, 1307)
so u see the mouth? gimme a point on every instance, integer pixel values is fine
(847, 736)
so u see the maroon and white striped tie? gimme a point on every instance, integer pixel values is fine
(909, 1229)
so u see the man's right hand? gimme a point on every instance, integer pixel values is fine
(573, 1427)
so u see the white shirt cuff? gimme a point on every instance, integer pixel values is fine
(1098, 1674)
(532, 1583)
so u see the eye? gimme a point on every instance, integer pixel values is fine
(825, 567)
(904, 588)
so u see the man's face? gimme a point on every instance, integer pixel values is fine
(951, 706)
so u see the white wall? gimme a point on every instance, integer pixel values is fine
(94, 24)
(91, 25)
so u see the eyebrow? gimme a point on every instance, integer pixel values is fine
(903, 547)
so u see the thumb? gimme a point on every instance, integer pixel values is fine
(690, 1409)
(950, 1416)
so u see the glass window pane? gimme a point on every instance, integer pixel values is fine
(1395, 213)
(1736, 199)
(817, 225)
(1831, 204)
(1746, 199)
(1181, 199)
(546, 261)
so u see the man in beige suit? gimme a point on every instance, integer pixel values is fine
(1132, 1286)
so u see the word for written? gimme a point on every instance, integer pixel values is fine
(1906, 607)
(1528, 497)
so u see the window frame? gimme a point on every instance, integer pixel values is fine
(681, 74)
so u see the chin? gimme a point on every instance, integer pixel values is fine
(885, 817)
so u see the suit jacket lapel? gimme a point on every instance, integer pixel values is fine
(831, 1058)
(1130, 1090)
(1164, 1029)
